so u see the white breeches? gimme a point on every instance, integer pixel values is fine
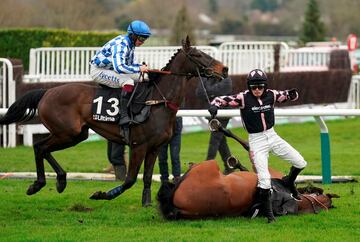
(111, 78)
(269, 141)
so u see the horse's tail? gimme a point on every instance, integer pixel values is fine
(24, 108)
(165, 199)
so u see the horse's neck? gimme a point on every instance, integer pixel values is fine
(173, 87)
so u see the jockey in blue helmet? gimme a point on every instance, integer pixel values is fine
(114, 65)
(140, 29)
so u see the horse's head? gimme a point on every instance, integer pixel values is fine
(199, 63)
(313, 200)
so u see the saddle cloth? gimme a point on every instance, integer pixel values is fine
(106, 103)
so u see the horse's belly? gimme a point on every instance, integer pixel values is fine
(210, 199)
(205, 191)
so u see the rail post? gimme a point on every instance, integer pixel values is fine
(325, 150)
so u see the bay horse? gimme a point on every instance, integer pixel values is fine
(204, 191)
(66, 112)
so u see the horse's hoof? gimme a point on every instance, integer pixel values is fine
(146, 197)
(60, 185)
(35, 187)
(99, 195)
(145, 205)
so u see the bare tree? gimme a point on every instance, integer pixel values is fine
(182, 27)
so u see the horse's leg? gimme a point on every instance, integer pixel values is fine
(136, 158)
(60, 144)
(60, 173)
(147, 178)
(43, 150)
(40, 170)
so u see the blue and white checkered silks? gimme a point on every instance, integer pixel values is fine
(114, 64)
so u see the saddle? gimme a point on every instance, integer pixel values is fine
(105, 106)
(282, 201)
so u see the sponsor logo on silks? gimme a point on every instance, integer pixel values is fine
(104, 76)
(261, 108)
(103, 118)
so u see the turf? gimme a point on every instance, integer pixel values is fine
(71, 216)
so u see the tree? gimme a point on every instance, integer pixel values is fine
(265, 5)
(313, 29)
(214, 7)
(182, 27)
(231, 26)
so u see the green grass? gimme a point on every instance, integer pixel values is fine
(91, 156)
(49, 216)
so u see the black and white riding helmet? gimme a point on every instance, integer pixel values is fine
(256, 77)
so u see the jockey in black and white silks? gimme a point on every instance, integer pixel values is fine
(257, 113)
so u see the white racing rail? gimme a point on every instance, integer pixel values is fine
(318, 114)
(7, 97)
(52, 64)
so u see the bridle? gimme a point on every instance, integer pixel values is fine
(204, 70)
(309, 197)
(201, 71)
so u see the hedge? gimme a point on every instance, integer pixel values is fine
(16, 43)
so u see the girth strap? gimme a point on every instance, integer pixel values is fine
(170, 105)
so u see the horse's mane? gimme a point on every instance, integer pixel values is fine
(167, 66)
(165, 196)
(186, 46)
(154, 76)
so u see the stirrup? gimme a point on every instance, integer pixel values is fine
(125, 132)
(254, 210)
(297, 196)
(255, 213)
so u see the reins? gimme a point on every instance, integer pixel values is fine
(206, 71)
(170, 73)
(307, 197)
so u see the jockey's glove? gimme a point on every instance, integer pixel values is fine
(292, 94)
(213, 111)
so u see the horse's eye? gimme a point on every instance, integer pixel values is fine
(208, 72)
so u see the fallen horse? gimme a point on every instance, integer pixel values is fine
(205, 192)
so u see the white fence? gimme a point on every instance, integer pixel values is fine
(305, 60)
(7, 97)
(72, 63)
(241, 57)
(354, 92)
(316, 113)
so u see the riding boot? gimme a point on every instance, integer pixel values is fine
(124, 115)
(256, 206)
(265, 195)
(289, 181)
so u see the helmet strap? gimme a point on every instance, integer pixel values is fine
(133, 38)
(132, 30)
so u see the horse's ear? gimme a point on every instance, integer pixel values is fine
(186, 44)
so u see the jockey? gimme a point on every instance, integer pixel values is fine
(114, 65)
(257, 113)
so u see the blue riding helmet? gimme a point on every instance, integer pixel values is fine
(139, 28)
